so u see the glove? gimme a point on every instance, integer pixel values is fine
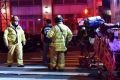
(23, 43)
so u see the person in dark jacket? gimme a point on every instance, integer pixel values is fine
(46, 40)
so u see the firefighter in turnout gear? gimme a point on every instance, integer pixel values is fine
(60, 35)
(14, 39)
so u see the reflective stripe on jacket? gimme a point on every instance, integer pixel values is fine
(59, 38)
(14, 35)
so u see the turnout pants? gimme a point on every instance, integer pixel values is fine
(18, 49)
(57, 59)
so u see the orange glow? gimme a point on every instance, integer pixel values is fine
(86, 11)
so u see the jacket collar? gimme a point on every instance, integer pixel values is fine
(13, 26)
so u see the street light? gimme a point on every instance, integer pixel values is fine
(3, 11)
(47, 9)
(86, 11)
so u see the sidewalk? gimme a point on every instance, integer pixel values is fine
(39, 72)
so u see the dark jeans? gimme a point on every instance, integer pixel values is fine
(45, 52)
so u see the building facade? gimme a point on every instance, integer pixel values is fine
(33, 12)
(115, 10)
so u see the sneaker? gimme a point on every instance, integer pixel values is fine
(20, 66)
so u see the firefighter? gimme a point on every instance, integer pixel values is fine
(60, 35)
(14, 39)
